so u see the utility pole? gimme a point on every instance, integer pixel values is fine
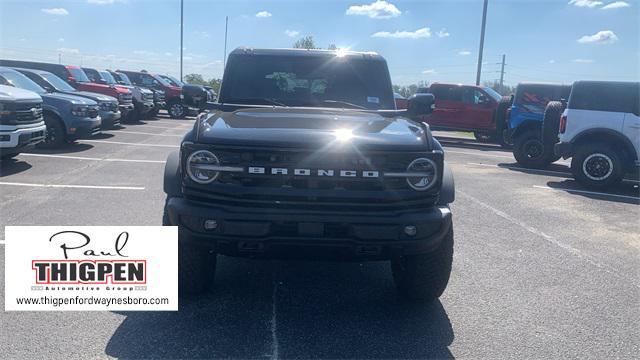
(226, 27)
(181, 34)
(502, 72)
(484, 24)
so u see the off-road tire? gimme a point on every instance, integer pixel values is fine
(501, 119)
(424, 277)
(177, 110)
(196, 264)
(530, 152)
(551, 123)
(597, 165)
(55, 133)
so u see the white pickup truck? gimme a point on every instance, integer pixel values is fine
(600, 131)
(21, 122)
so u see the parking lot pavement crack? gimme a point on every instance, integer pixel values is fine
(552, 240)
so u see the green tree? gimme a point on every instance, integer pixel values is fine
(305, 43)
(195, 79)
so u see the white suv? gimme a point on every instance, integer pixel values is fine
(600, 130)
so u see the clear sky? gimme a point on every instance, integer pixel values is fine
(552, 40)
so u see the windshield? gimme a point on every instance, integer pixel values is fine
(20, 81)
(323, 81)
(107, 76)
(494, 94)
(162, 81)
(78, 74)
(124, 78)
(173, 80)
(57, 83)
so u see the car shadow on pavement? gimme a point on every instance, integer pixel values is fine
(625, 192)
(13, 166)
(290, 310)
(554, 170)
(65, 149)
(470, 144)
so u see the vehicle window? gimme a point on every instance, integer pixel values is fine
(605, 97)
(494, 94)
(37, 79)
(123, 77)
(78, 74)
(440, 92)
(57, 83)
(148, 80)
(107, 76)
(473, 96)
(308, 81)
(16, 79)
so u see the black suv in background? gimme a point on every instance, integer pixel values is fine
(312, 162)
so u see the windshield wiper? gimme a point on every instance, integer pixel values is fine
(253, 101)
(344, 103)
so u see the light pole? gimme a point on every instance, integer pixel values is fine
(181, 34)
(484, 24)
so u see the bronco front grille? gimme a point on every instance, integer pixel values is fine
(267, 190)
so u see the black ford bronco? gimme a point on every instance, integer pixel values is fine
(305, 156)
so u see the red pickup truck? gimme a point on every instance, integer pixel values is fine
(467, 108)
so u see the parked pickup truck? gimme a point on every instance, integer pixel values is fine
(467, 108)
(67, 117)
(21, 122)
(312, 162)
(109, 112)
(79, 80)
(158, 95)
(173, 94)
(142, 97)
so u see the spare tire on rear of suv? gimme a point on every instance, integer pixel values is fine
(501, 119)
(550, 126)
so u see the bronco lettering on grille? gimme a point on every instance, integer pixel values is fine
(314, 172)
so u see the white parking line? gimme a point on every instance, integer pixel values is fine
(92, 158)
(587, 192)
(141, 133)
(74, 186)
(183, 122)
(1, 242)
(158, 127)
(127, 143)
(551, 172)
(477, 153)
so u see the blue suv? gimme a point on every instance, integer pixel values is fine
(524, 122)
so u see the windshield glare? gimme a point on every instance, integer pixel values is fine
(323, 81)
(78, 74)
(494, 94)
(124, 78)
(107, 76)
(173, 80)
(21, 81)
(57, 83)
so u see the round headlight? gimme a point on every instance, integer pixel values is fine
(199, 167)
(426, 174)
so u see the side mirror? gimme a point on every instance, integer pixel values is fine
(421, 104)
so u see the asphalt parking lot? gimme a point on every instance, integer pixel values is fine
(542, 268)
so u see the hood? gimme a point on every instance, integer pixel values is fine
(311, 127)
(74, 99)
(90, 95)
(10, 93)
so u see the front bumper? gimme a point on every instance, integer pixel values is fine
(273, 233)
(126, 108)
(84, 128)
(146, 107)
(110, 118)
(22, 138)
(563, 149)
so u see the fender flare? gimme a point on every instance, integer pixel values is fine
(448, 189)
(525, 125)
(624, 141)
(172, 176)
